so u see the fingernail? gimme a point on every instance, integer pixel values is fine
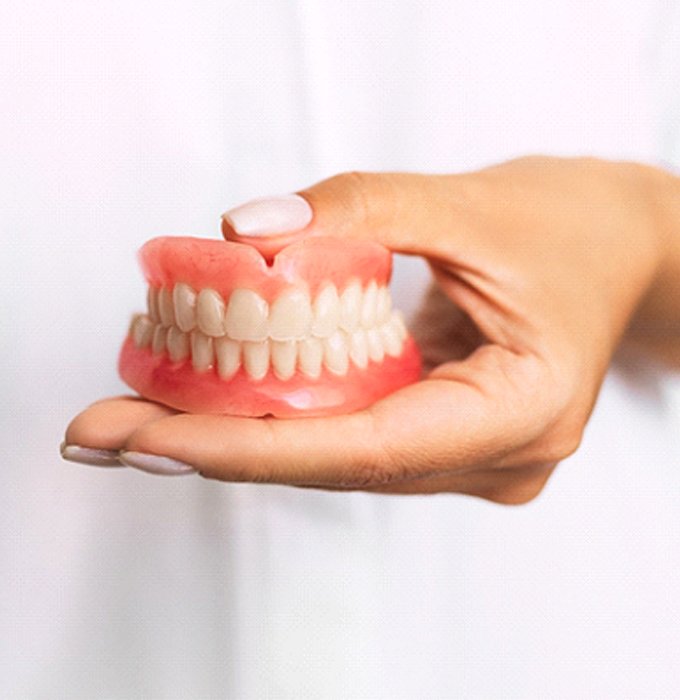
(89, 455)
(270, 215)
(155, 464)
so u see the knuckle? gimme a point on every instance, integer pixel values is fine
(521, 487)
(560, 447)
(515, 495)
(356, 191)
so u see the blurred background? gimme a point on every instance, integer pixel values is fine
(125, 120)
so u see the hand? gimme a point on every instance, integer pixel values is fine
(540, 265)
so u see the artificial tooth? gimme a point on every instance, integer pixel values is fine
(152, 304)
(142, 331)
(335, 353)
(358, 348)
(383, 306)
(246, 317)
(178, 344)
(210, 312)
(376, 351)
(202, 357)
(350, 307)
(391, 340)
(290, 316)
(228, 355)
(133, 323)
(284, 356)
(399, 325)
(185, 306)
(310, 353)
(165, 307)
(158, 341)
(369, 305)
(326, 312)
(256, 358)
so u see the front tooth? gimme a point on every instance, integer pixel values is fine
(350, 307)
(165, 307)
(152, 304)
(185, 306)
(178, 344)
(202, 356)
(383, 306)
(358, 348)
(284, 356)
(335, 353)
(390, 339)
(326, 312)
(246, 317)
(310, 352)
(256, 358)
(290, 316)
(369, 306)
(228, 353)
(376, 351)
(210, 312)
(158, 342)
(142, 331)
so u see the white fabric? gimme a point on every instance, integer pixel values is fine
(126, 120)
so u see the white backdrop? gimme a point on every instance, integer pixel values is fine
(125, 120)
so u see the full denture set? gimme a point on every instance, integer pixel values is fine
(310, 332)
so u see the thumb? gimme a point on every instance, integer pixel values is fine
(408, 213)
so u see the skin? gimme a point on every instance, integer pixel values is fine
(543, 266)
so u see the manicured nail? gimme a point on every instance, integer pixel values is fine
(89, 455)
(155, 464)
(270, 215)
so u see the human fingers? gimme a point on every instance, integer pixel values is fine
(408, 213)
(514, 486)
(96, 434)
(486, 413)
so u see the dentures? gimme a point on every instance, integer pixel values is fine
(313, 333)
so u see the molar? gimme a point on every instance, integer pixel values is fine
(158, 341)
(376, 351)
(326, 312)
(152, 304)
(399, 325)
(142, 331)
(185, 306)
(390, 339)
(210, 312)
(290, 316)
(165, 307)
(246, 317)
(177, 344)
